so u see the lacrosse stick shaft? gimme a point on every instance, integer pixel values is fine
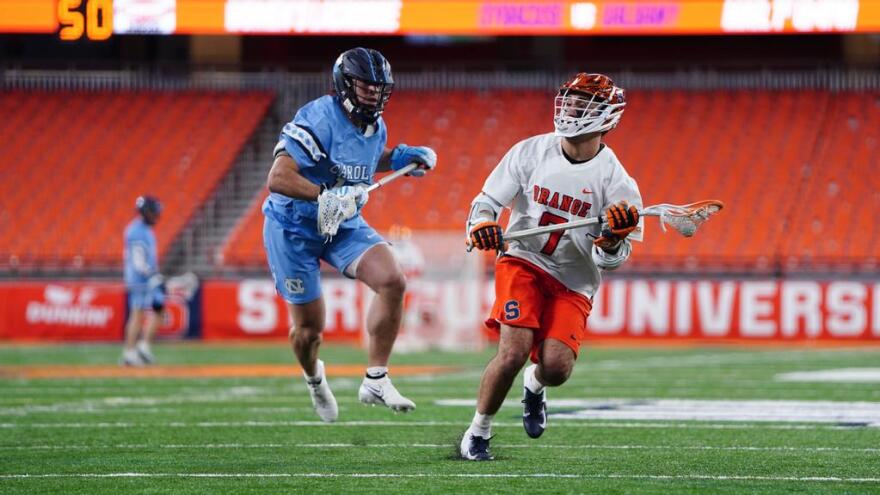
(512, 236)
(692, 216)
(522, 234)
(390, 177)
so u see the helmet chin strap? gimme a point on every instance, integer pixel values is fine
(348, 105)
(353, 115)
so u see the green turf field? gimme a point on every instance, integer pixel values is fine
(242, 435)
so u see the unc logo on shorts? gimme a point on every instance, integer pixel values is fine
(511, 309)
(294, 285)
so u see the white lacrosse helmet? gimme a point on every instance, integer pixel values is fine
(588, 103)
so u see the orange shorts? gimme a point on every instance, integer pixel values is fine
(527, 297)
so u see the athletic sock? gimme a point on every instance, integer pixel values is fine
(531, 382)
(481, 425)
(319, 374)
(377, 372)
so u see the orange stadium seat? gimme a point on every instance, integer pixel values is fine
(245, 244)
(73, 163)
(833, 214)
(793, 167)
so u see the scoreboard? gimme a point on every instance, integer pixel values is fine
(100, 19)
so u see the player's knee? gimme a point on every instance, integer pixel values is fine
(394, 284)
(305, 334)
(555, 373)
(513, 359)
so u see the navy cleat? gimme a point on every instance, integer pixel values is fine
(475, 448)
(534, 412)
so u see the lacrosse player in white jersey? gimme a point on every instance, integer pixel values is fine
(544, 285)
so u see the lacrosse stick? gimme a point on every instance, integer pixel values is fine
(684, 219)
(332, 217)
(394, 175)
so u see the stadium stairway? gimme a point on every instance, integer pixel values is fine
(196, 248)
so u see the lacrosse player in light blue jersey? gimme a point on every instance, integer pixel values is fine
(143, 282)
(324, 161)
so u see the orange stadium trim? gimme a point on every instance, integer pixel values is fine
(28, 16)
(512, 17)
(205, 371)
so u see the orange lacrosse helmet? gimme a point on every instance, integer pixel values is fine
(588, 103)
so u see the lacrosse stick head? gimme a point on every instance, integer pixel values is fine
(685, 219)
(332, 211)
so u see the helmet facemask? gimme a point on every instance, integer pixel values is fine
(585, 105)
(366, 100)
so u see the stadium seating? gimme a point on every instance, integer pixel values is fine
(833, 212)
(244, 247)
(73, 164)
(793, 167)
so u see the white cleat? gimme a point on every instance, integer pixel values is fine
(143, 351)
(322, 397)
(131, 357)
(382, 393)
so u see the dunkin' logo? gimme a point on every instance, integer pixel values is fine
(63, 306)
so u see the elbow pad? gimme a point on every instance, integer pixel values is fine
(483, 209)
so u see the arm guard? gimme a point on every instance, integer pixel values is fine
(608, 261)
(483, 209)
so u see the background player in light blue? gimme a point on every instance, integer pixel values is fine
(326, 157)
(143, 282)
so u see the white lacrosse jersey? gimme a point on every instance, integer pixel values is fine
(542, 187)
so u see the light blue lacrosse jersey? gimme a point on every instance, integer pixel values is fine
(329, 150)
(140, 254)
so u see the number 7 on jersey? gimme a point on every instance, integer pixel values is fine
(546, 219)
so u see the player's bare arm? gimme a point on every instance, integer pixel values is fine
(284, 178)
(385, 161)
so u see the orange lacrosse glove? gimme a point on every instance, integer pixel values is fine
(621, 220)
(487, 236)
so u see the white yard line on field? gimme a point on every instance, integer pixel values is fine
(419, 424)
(735, 448)
(708, 477)
(659, 409)
(236, 393)
(836, 376)
(723, 358)
(180, 411)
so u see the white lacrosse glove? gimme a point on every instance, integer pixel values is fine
(402, 155)
(361, 195)
(156, 281)
(338, 205)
